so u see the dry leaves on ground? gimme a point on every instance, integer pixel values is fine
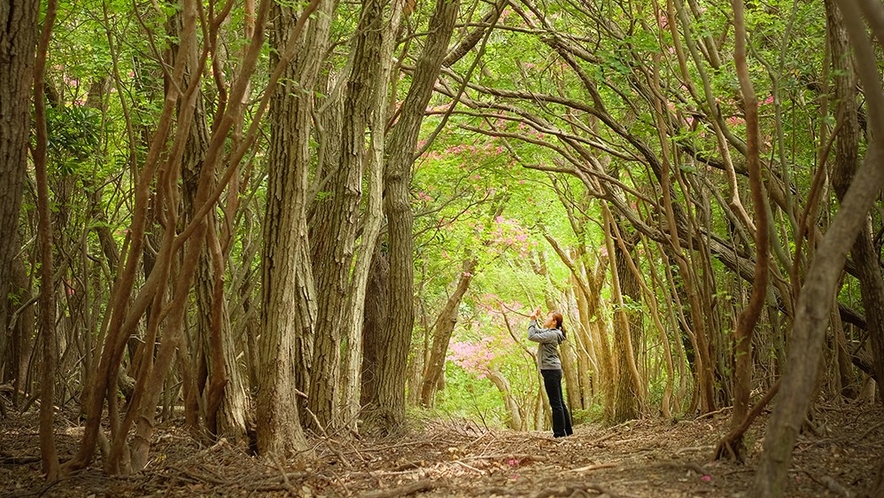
(642, 458)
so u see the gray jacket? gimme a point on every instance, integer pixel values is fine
(547, 350)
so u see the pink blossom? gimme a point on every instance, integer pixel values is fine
(471, 357)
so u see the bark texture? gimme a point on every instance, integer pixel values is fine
(818, 291)
(389, 413)
(864, 254)
(337, 221)
(288, 305)
(18, 38)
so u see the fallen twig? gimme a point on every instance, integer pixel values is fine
(831, 484)
(507, 456)
(869, 431)
(597, 466)
(713, 413)
(462, 464)
(9, 458)
(422, 485)
(575, 491)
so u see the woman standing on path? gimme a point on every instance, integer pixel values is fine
(549, 337)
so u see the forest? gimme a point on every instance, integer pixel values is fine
(291, 247)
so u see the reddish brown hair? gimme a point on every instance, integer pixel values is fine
(557, 316)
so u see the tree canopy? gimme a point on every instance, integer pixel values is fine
(270, 219)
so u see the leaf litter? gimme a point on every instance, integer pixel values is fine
(457, 458)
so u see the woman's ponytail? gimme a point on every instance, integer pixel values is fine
(557, 316)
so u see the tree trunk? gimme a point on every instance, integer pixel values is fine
(589, 289)
(748, 317)
(514, 412)
(628, 384)
(48, 305)
(389, 412)
(809, 328)
(21, 332)
(864, 254)
(18, 39)
(819, 288)
(442, 329)
(288, 304)
(337, 218)
(588, 368)
(376, 302)
(349, 400)
(217, 380)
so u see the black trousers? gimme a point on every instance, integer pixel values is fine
(561, 419)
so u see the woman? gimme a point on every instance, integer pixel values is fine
(549, 337)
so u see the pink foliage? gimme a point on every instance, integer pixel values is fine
(472, 357)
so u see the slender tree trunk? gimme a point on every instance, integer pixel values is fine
(396, 340)
(704, 369)
(514, 412)
(48, 305)
(748, 318)
(442, 330)
(589, 287)
(628, 386)
(819, 289)
(846, 158)
(124, 312)
(669, 399)
(588, 368)
(22, 330)
(349, 401)
(18, 39)
(218, 379)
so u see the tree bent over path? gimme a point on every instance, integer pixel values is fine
(812, 310)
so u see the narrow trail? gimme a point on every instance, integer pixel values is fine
(642, 458)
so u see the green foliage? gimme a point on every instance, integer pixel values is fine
(594, 414)
(470, 397)
(74, 134)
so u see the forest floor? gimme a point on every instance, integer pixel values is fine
(642, 458)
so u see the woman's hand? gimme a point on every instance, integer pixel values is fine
(535, 314)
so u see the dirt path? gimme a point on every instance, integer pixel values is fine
(646, 458)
